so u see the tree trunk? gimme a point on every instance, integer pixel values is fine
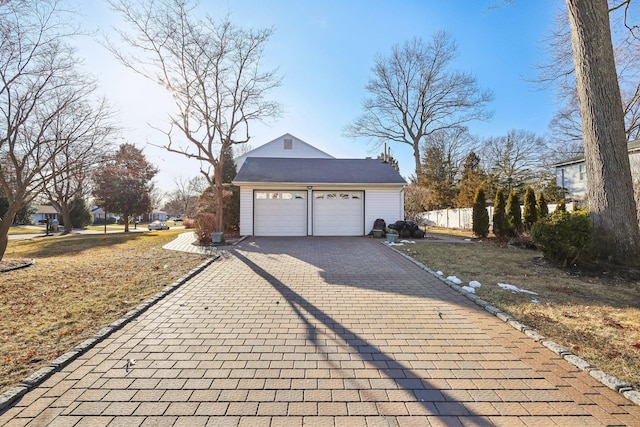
(5, 224)
(416, 158)
(219, 192)
(125, 217)
(66, 216)
(609, 183)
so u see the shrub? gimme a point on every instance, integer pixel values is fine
(500, 224)
(100, 221)
(480, 216)
(80, 213)
(189, 223)
(564, 237)
(541, 206)
(514, 214)
(530, 213)
(232, 209)
(561, 206)
(205, 224)
(207, 202)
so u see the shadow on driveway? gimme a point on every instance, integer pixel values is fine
(427, 395)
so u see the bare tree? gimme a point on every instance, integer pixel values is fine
(455, 143)
(415, 200)
(414, 92)
(213, 71)
(514, 159)
(609, 184)
(36, 85)
(82, 130)
(156, 197)
(184, 196)
(559, 71)
(244, 149)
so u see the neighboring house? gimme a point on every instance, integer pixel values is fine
(44, 212)
(572, 174)
(316, 196)
(287, 146)
(157, 215)
(98, 214)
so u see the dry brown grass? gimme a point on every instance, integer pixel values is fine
(26, 230)
(595, 314)
(78, 285)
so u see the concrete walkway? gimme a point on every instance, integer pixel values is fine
(319, 331)
(185, 243)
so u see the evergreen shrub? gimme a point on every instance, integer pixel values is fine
(500, 224)
(566, 238)
(480, 216)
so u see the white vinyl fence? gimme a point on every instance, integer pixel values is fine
(463, 217)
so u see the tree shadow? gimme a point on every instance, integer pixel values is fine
(403, 377)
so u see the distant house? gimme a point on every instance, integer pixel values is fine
(572, 174)
(314, 194)
(157, 215)
(286, 146)
(98, 214)
(44, 212)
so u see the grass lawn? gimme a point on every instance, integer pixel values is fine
(27, 230)
(78, 285)
(110, 227)
(594, 313)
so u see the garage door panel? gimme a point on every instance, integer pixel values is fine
(338, 213)
(280, 213)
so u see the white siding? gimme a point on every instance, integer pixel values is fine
(246, 211)
(569, 177)
(299, 149)
(634, 161)
(384, 203)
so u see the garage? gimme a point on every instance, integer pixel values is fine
(317, 196)
(338, 213)
(280, 213)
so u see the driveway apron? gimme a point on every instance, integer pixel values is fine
(319, 331)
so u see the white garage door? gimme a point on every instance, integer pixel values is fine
(280, 213)
(338, 213)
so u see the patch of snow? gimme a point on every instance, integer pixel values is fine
(395, 244)
(467, 240)
(535, 301)
(469, 289)
(407, 241)
(474, 284)
(439, 273)
(514, 288)
(454, 279)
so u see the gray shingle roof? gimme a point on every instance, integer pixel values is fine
(317, 171)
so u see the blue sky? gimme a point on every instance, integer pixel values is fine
(325, 50)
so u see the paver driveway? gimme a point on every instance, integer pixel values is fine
(319, 331)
